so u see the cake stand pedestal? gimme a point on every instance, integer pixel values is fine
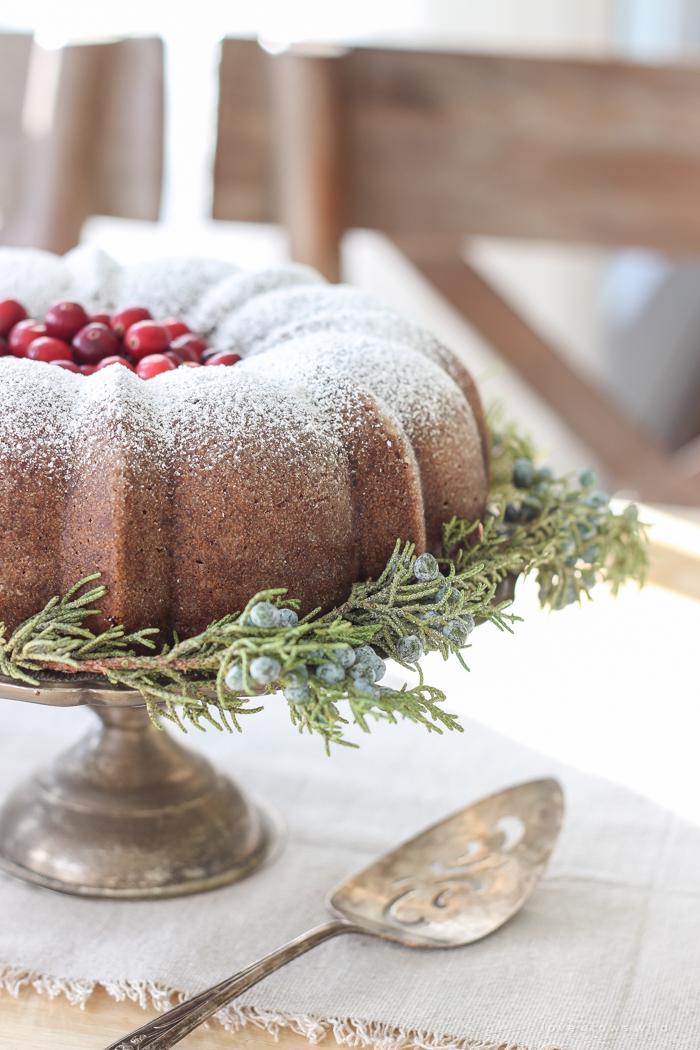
(127, 812)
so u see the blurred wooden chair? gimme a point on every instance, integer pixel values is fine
(15, 49)
(92, 138)
(433, 147)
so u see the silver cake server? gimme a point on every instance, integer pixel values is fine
(448, 886)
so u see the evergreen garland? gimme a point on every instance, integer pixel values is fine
(562, 529)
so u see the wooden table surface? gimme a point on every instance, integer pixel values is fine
(35, 1022)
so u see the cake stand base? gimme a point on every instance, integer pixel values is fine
(130, 813)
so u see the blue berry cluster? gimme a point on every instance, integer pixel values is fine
(427, 570)
(362, 665)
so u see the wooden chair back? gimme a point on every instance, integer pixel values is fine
(15, 49)
(433, 147)
(100, 149)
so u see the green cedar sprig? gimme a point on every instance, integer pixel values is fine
(559, 528)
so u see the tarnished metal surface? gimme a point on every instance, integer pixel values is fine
(462, 878)
(56, 690)
(449, 886)
(128, 812)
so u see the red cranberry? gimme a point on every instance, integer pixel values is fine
(87, 370)
(64, 320)
(123, 319)
(46, 348)
(70, 366)
(11, 313)
(145, 338)
(224, 357)
(114, 360)
(191, 345)
(175, 358)
(93, 342)
(191, 364)
(211, 352)
(102, 318)
(24, 333)
(174, 328)
(153, 365)
(4, 347)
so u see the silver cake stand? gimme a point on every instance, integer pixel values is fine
(127, 812)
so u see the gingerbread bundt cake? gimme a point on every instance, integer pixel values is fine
(343, 427)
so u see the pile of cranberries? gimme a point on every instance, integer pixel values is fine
(72, 339)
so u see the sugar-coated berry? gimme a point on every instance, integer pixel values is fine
(587, 479)
(63, 320)
(115, 359)
(94, 342)
(288, 617)
(428, 616)
(70, 366)
(345, 657)
(529, 509)
(45, 348)
(24, 333)
(365, 685)
(330, 673)
(190, 346)
(145, 338)
(468, 620)
(523, 473)
(597, 499)
(265, 614)
(297, 693)
(11, 313)
(87, 370)
(153, 365)
(123, 319)
(409, 649)
(367, 664)
(298, 674)
(426, 568)
(442, 592)
(234, 679)
(226, 357)
(265, 669)
(174, 328)
(456, 632)
(4, 347)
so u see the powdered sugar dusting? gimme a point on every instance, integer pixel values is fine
(251, 327)
(229, 295)
(418, 392)
(95, 278)
(170, 287)
(33, 277)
